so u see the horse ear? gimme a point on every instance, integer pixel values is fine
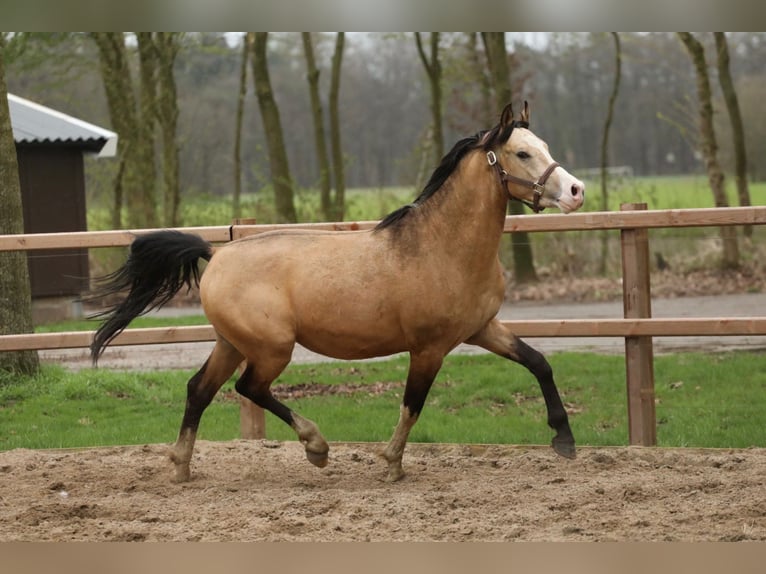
(507, 116)
(525, 112)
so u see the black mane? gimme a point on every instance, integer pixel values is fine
(485, 140)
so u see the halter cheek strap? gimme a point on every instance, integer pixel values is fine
(538, 186)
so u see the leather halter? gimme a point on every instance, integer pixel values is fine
(537, 186)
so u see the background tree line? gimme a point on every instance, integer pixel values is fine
(384, 101)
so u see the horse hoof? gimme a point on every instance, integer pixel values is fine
(317, 458)
(395, 473)
(564, 447)
(183, 471)
(182, 475)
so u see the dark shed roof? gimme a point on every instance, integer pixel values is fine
(34, 124)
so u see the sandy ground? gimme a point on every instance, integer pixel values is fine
(267, 491)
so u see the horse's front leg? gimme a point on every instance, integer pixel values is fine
(497, 338)
(423, 370)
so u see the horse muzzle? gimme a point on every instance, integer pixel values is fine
(572, 196)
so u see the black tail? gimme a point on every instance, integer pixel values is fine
(158, 265)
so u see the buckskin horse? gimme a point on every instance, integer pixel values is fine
(424, 280)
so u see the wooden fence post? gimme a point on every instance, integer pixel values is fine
(639, 356)
(252, 419)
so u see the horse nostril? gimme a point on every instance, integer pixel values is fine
(575, 190)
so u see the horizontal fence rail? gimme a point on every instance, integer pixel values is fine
(645, 219)
(88, 239)
(649, 219)
(651, 327)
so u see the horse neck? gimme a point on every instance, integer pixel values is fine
(468, 218)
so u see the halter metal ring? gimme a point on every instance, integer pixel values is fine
(491, 158)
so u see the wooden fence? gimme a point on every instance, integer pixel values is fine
(637, 326)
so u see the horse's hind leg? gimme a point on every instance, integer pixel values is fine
(254, 384)
(497, 338)
(200, 391)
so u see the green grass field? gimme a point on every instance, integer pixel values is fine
(703, 400)
(668, 192)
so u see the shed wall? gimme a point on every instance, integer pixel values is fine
(53, 198)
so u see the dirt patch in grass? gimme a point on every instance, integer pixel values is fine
(285, 392)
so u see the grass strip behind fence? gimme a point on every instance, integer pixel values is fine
(703, 400)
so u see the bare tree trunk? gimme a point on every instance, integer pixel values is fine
(247, 45)
(605, 146)
(135, 187)
(320, 143)
(166, 45)
(15, 294)
(147, 119)
(485, 88)
(497, 59)
(118, 192)
(735, 117)
(709, 146)
(339, 201)
(115, 75)
(280, 169)
(434, 71)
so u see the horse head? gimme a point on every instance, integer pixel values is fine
(527, 170)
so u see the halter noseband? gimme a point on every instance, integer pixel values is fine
(537, 186)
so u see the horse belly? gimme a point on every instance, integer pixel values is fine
(346, 329)
(349, 347)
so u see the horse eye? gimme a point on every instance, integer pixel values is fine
(522, 155)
